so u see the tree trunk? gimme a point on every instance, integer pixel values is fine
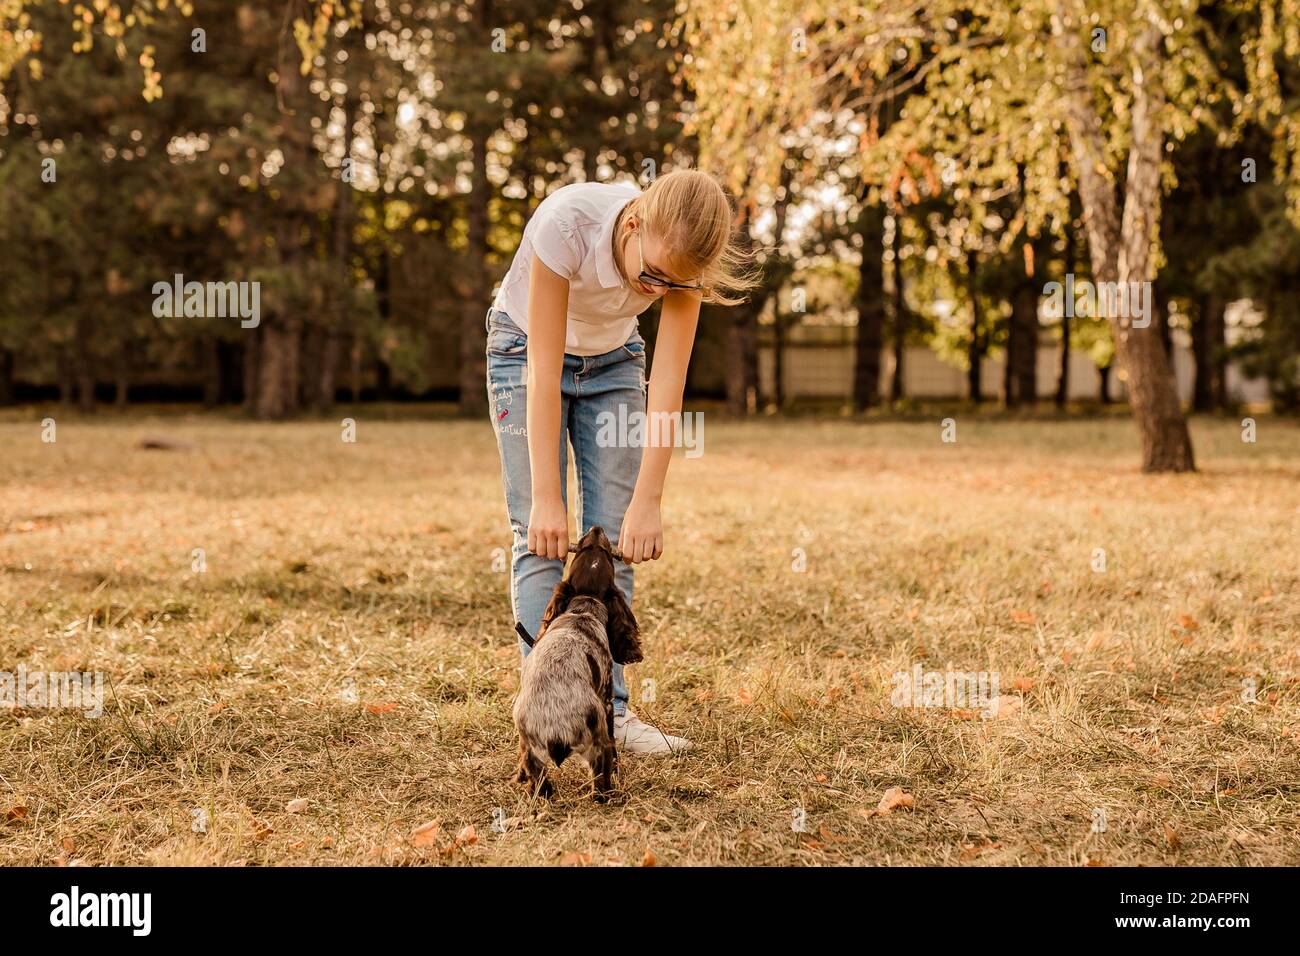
(210, 360)
(320, 358)
(870, 302)
(354, 370)
(896, 389)
(267, 400)
(278, 392)
(742, 348)
(1022, 346)
(85, 389)
(1121, 249)
(326, 388)
(1207, 354)
(473, 334)
(1022, 337)
(784, 196)
(85, 368)
(778, 359)
(1103, 374)
(1063, 375)
(1160, 305)
(976, 347)
(277, 378)
(323, 386)
(67, 380)
(742, 335)
(251, 368)
(384, 381)
(6, 377)
(230, 361)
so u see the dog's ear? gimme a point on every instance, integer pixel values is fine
(559, 604)
(622, 630)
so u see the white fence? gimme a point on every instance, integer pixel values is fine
(826, 371)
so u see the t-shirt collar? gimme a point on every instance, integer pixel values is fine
(606, 267)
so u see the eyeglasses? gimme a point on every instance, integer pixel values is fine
(655, 281)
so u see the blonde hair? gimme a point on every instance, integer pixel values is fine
(688, 211)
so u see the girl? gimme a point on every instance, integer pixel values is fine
(563, 354)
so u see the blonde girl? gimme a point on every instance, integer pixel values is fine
(564, 355)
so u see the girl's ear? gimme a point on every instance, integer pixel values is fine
(621, 629)
(559, 604)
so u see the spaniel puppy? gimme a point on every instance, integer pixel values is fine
(566, 691)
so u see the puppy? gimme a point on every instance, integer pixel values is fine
(566, 691)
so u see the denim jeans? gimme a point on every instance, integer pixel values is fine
(589, 385)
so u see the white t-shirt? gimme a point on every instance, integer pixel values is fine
(572, 233)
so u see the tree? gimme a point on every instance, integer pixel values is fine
(996, 86)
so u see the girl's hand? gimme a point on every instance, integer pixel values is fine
(548, 528)
(642, 536)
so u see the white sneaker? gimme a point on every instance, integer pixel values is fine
(634, 736)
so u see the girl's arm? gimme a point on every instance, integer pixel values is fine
(548, 320)
(641, 537)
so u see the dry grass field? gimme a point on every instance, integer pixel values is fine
(341, 672)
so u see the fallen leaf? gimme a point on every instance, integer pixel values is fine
(744, 696)
(1172, 837)
(971, 850)
(68, 845)
(382, 708)
(467, 836)
(895, 797)
(1187, 622)
(1006, 705)
(297, 806)
(1024, 684)
(575, 859)
(827, 835)
(649, 859)
(820, 777)
(426, 835)
(1023, 617)
(14, 814)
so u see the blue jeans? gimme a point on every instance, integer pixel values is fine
(589, 385)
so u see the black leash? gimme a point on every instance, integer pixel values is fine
(523, 634)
